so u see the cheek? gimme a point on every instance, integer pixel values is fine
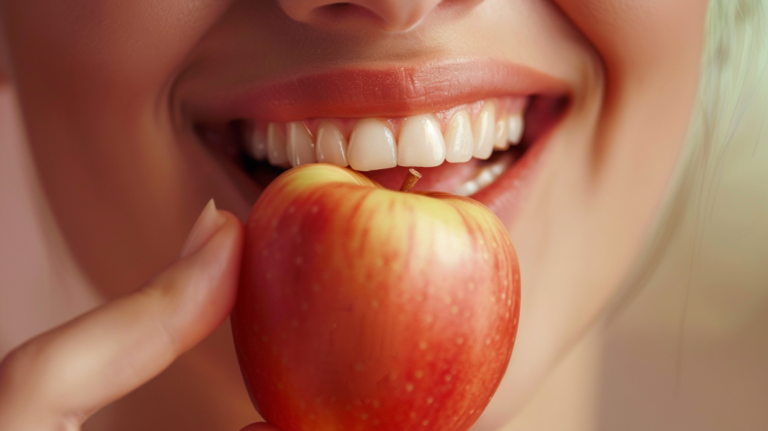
(104, 49)
(97, 71)
(586, 222)
(93, 78)
(644, 35)
(651, 50)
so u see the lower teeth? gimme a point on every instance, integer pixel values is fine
(484, 177)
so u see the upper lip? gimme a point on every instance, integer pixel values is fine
(375, 91)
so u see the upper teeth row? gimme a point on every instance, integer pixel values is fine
(372, 144)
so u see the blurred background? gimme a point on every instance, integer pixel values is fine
(685, 349)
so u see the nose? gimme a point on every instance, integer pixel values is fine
(387, 15)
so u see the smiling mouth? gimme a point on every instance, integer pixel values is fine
(382, 122)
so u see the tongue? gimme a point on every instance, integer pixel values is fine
(444, 178)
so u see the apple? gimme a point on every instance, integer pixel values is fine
(365, 308)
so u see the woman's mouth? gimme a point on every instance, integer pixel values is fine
(383, 121)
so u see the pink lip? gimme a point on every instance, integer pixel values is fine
(377, 91)
(394, 92)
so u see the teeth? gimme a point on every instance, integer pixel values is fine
(301, 149)
(500, 141)
(515, 128)
(276, 146)
(484, 178)
(485, 131)
(459, 142)
(467, 189)
(331, 145)
(257, 144)
(421, 143)
(372, 146)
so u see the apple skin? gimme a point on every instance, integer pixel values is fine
(361, 308)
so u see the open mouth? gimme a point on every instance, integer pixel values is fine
(483, 147)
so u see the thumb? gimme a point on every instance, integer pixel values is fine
(71, 371)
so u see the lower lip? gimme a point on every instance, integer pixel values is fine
(505, 195)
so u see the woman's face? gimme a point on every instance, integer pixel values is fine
(138, 112)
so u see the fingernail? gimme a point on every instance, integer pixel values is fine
(206, 225)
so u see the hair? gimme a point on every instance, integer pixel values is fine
(732, 94)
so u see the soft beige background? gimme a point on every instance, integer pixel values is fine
(687, 351)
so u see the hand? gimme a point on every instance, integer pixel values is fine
(56, 380)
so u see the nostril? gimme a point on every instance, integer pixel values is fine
(342, 7)
(386, 15)
(345, 11)
(338, 6)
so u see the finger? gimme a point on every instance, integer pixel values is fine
(71, 371)
(260, 426)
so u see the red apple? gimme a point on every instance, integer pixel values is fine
(365, 308)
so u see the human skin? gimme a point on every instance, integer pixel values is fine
(99, 82)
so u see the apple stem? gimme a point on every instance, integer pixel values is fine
(411, 179)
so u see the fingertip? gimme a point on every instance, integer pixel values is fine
(208, 223)
(201, 288)
(225, 241)
(233, 224)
